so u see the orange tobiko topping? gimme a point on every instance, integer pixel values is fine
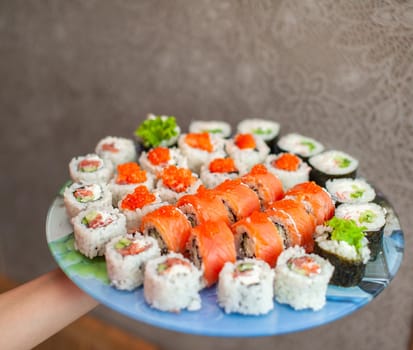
(223, 165)
(259, 169)
(200, 140)
(138, 199)
(245, 141)
(177, 179)
(130, 173)
(159, 155)
(287, 161)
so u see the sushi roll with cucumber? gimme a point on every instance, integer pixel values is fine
(303, 146)
(332, 164)
(118, 150)
(93, 228)
(217, 171)
(289, 168)
(246, 287)
(370, 216)
(215, 127)
(343, 243)
(126, 257)
(301, 279)
(79, 196)
(90, 169)
(158, 158)
(265, 129)
(172, 283)
(347, 190)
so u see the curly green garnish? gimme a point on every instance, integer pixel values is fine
(154, 130)
(347, 231)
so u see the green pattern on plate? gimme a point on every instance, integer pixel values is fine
(75, 263)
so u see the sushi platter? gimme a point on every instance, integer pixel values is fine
(197, 233)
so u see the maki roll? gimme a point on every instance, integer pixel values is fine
(126, 257)
(169, 226)
(90, 169)
(158, 158)
(79, 196)
(343, 243)
(172, 283)
(246, 287)
(303, 146)
(93, 228)
(301, 279)
(350, 190)
(137, 204)
(176, 182)
(370, 216)
(118, 150)
(247, 150)
(258, 237)
(201, 148)
(332, 164)
(209, 247)
(158, 130)
(267, 130)
(289, 168)
(128, 176)
(217, 171)
(215, 127)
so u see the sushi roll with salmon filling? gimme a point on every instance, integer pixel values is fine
(137, 204)
(126, 257)
(209, 247)
(128, 176)
(79, 196)
(176, 182)
(158, 158)
(301, 279)
(118, 150)
(169, 226)
(289, 168)
(343, 243)
(247, 150)
(267, 130)
(332, 164)
(258, 237)
(303, 146)
(372, 217)
(201, 148)
(93, 228)
(158, 130)
(214, 127)
(172, 283)
(350, 191)
(217, 171)
(246, 287)
(268, 186)
(90, 169)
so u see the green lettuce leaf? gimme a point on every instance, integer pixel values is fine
(155, 130)
(346, 230)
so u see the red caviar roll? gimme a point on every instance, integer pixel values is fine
(304, 223)
(169, 226)
(203, 206)
(209, 247)
(316, 199)
(258, 237)
(238, 198)
(268, 186)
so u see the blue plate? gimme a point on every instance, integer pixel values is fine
(90, 276)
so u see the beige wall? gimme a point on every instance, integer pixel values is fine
(72, 72)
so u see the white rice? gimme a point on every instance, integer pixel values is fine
(124, 150)
(350, 190)
(370, 215)
(101, 175)
(264, 129)
(215, 127)
(301, 145)
(211, 180)
(334, 162)
(171, 196)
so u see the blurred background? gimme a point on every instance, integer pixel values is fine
(72, 72)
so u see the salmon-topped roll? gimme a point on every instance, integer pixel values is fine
(169, 226)
(209, 247)
(258, 237)
(268, 187)
(304, 222)
(203, 206)
(238, 198)
(316, 199)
